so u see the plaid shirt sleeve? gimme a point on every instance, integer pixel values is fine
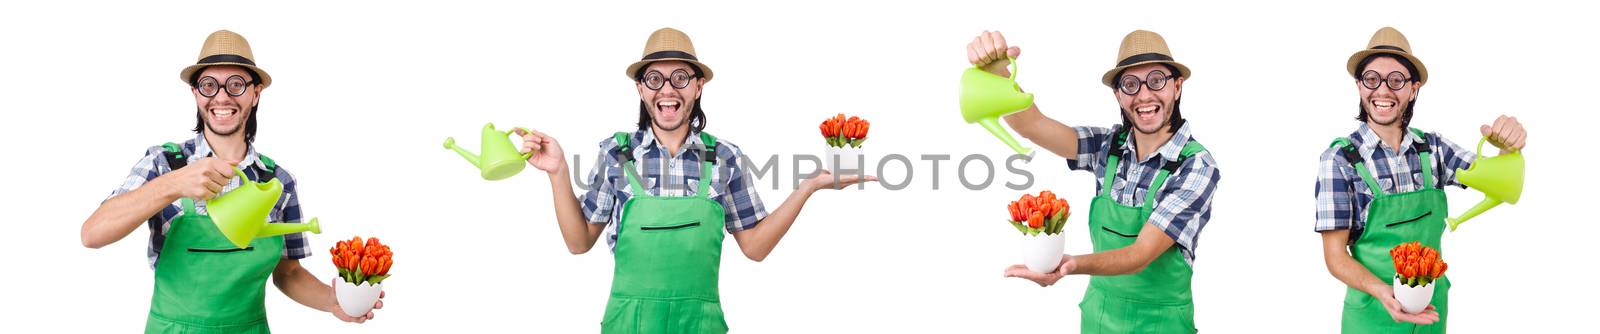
(152, 165)
(148, 168)
(741, 204)
(1183, 205)
(1336, 192)
(295, 245)
(1092, 147)
(601, 201)
(1451, 157)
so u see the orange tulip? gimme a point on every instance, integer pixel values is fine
(1036, 220)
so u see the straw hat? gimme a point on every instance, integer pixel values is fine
(668, 44)
(1388, 41)
(1142, 47)
(225, 48)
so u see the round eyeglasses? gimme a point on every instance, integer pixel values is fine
(654, 80)
(1130, 84)
(235, 85)
(1372, 80)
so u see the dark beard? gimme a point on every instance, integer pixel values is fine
(213, 129)
(1165, 122)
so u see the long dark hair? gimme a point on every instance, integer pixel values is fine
(697, 116)
(1405, 116)
(249, 123)
(1176, 120)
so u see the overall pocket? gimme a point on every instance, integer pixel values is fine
(672, 227)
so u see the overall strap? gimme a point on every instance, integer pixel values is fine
(1425, 157)
(1111, 162)
(188, 205)
(1189, 150)
(708, 164)
(1352, 155)
(625, 155)
(174, 154)
(176, 158)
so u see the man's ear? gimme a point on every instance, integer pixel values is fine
(1177, 93)
(256, 100)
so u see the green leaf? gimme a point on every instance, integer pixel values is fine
(377, 279)
(857, 142)
(1020, 227)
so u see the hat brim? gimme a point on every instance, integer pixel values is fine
(705, 71)
(1422, 71)
(1111, 75)
(266, 80)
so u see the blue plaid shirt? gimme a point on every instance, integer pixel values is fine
(669, 174)
(1183, 204)
(1342, 196)
(154, 164)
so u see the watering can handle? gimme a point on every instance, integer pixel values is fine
(1480, 146)
(529, 154)
(1013, 67)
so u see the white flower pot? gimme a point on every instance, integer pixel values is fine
(847, 159)
(1042, 253)
(1413, 300)
(356, 300)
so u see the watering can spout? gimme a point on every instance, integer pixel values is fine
(985, 97)
(281, 229)
(993, 125)
(450, 143)
(241, 215)
(1499, 178)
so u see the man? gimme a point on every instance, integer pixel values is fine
(204, 284)
(1154, 194)
(1393, 175)
(662, 222)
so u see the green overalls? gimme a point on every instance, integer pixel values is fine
(1393, 219)
(668, 252)
(1155, 300)
(203, 283)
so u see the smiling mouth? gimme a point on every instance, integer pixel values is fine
(1147, 113)
(1383, 106)
(667, 108)
(223, 113)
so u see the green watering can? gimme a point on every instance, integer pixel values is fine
(500, 158)
(1498, 177)
(241, 214)
(985, 97)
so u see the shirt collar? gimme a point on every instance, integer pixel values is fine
(1367, 140)
(649, 141)
(202, 149)
(1169, 151)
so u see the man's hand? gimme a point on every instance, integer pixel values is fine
(1385, 295)
(1506, 133)
(1046, 279)
(547, 154)
(200, 180)
(825, 180)
(338, 312)
(989, 50)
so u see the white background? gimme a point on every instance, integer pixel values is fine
(364, 93)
